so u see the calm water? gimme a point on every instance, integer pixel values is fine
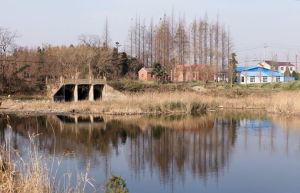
(218, 152)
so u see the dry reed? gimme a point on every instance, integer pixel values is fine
(285, 102)
(31, 175)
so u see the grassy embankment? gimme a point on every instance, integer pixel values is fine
(177, 98)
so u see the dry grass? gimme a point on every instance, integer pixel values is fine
(18, 175)
(285, 102)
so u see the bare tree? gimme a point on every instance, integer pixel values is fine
(181, 41)
(205, 28)
(217, 36)
(7, 41)
(106, 37)
(194, 40)
(200, 42)
(90, 40)
(173, 42)
(7, 44)
(211, 45)
(223, 48)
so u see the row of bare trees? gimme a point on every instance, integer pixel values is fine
(176, 42)
(23, 69)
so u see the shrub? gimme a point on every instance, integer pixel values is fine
(197, 108)
(175, 106)
(115, 184)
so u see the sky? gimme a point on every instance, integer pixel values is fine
(259, 28)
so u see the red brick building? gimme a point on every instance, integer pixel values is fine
(146, 74)
(185, 73)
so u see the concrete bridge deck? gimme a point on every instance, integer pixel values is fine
(83, 81)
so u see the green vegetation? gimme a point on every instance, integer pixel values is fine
(115, 184)
(127, 85)
(287, 73)
(232, 66)
(159, 73)
(296, 75)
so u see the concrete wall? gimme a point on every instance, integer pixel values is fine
(110, 93)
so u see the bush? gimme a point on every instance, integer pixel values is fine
(175, 106)
(115, 184)
(197, 108)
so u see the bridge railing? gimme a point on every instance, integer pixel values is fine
(83, 81)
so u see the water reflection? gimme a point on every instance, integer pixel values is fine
(172, 148)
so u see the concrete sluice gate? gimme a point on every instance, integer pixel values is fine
(73, 92)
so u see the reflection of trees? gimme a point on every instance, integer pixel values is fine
(170, 147)
(172, 153)
(3, 123)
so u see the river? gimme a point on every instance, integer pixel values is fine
(234, 152)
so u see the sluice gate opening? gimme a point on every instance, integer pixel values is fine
(79, 92)
(65, 93)
(83, 92)
(98, 89)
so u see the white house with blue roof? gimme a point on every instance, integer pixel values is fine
(256, 74)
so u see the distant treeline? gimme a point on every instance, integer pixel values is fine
(170, 42)
(27, 70)
(174, 41)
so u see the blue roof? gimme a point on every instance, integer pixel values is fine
(243, 68)
(258, 71)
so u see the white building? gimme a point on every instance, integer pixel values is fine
(278, 66)
(255, 75)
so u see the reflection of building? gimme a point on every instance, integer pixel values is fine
(254, 124)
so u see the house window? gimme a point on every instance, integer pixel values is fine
(291, 69)
(282, 68)
(265, 79)
(243, 79)
(252, 79)
(277, 78)
(26, 75)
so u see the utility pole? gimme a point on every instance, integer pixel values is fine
(296, 64)
(265, 49)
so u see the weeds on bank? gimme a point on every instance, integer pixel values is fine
(31, 175)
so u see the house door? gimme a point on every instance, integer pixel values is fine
(184, 76)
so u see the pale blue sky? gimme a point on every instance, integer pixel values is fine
(253, 23)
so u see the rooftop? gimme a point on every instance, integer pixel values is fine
(258, 71)
(148, 69)
(274, 63)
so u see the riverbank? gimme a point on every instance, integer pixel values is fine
(282, 102)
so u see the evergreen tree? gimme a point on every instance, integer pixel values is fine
(124, 61)
(295, 75)
(287, 72)
(159, 72)
(232, 68)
